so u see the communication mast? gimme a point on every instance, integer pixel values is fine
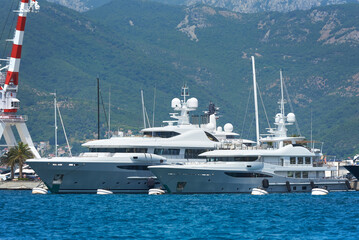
(9, 104)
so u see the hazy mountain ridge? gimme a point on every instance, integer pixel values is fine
(242, 6)
(252, 6)
(66, 50)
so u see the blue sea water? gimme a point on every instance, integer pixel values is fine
(222, 216)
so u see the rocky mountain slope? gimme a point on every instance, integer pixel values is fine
(163, 46)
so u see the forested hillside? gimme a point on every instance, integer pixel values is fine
(134, 45)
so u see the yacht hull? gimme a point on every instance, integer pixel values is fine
(84, 176)
(191, 181)
(354, 169)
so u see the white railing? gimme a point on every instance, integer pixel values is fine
(13, 118)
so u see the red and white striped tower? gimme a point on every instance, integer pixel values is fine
(10, 104)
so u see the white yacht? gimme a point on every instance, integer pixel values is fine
(278, 163)
(120, 164)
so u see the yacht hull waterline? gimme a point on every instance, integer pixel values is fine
(201, 181)
(87, 175)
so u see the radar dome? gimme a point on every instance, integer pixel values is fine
(228, 127)
(277, 117)
(219, 129)
(192, 103)
(291, 117)
(211, 127)
(175, 103)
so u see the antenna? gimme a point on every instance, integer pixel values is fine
(98, 107)
(55, 115)
(109, 111)
(154, 108)
(63, 128)
(143, 110)
(282, 94)
(255, 99)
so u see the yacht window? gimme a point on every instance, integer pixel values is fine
(119, 150)
(232, 159)
(292, 160)
(307, 160)
(193, 153)
(290, 174)
(300, 160)
(246, 174)
(211, 137)
(305, 174)
(282, 162)
(297, 174)
(134, 167)
(232, 137)
(164, 151)
(161, 134)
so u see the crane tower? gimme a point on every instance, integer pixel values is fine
(9, 80)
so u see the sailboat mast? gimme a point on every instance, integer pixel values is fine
(98, 108)
(55, 104)
(282, 98)
(143, 110)
(255, 100)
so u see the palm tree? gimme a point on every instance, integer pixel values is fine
(17, 155)
(9, 162)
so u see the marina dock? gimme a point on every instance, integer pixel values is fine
(18, 185)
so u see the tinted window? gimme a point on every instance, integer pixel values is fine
(232, 159)
(246, 175)
(164, 151)
(193, 153)
(134, 167)
(119, 150)
(161, 134)
(211, 137)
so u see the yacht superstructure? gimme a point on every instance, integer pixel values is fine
(120, 164)
(278, 163)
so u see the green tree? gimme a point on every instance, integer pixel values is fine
(9, 162)
(18, 155)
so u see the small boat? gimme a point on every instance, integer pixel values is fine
(39, 190)
(319, 191)
(259, 191)
(155, 191)
(103, 191)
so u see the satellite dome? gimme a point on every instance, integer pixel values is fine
(228, 127)
(175, 103)
(291, 117)
(219, 129)
(278, 117)
(192, 103)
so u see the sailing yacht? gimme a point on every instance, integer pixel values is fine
(278, 163)
(120, 164)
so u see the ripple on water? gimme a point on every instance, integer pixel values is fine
(222, 216)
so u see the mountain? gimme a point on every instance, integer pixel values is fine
(80, 5)
(136, 44)
(253, 6)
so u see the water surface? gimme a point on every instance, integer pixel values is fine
(219, 216)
